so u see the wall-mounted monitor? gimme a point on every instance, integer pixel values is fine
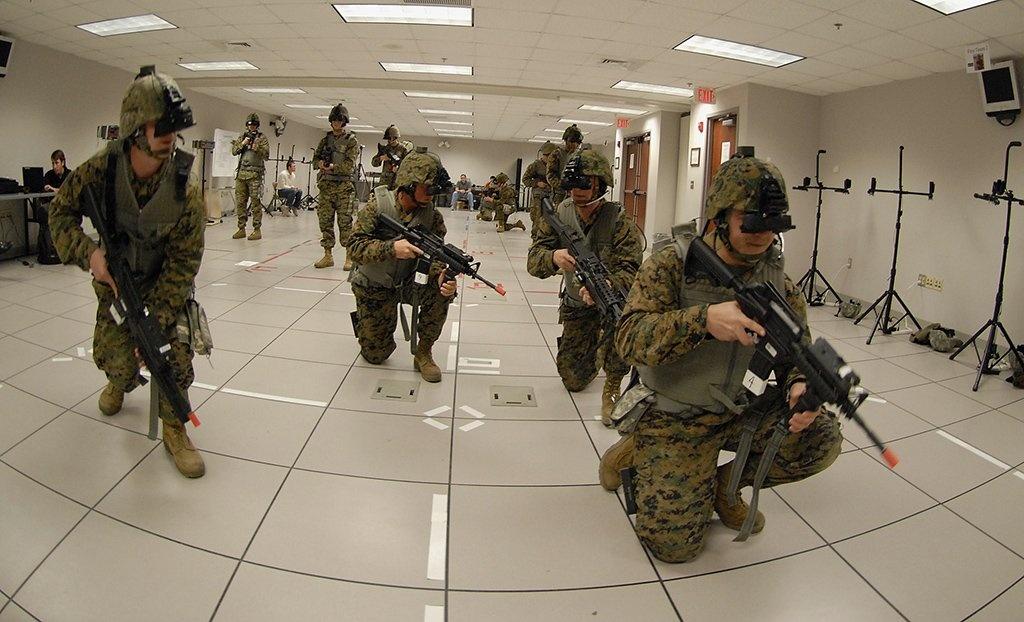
(6, 44)
(999, 92)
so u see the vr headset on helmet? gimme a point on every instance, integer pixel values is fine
(771, 213)
(442, 182)
(177, 113)
(573, 176)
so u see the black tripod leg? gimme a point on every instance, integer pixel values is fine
(828, 288)
(870, 309)
(973, 338)
(907, 309)
(986, 356)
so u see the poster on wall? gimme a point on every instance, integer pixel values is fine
(224, 163)
(726, 151)
(978, 57)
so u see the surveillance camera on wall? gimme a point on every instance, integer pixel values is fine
(278, 124)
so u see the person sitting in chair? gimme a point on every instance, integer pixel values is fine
(288, 190)
(462, 192)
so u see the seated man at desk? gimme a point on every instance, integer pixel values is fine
(463, 192)
(52, 181)
(54, 178)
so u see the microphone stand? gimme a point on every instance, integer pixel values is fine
(806, 282)
(884, 319)
(990, 358)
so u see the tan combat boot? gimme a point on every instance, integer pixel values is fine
(610, 395)
(111, 400)
(255, 235)
(348, 263)
(178, 444)
(519, 225)
(423, 362)
(239, 234)
(732, 515)
(326, 261)
(619, 456)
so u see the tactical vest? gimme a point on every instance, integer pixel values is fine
(147, 227)
(599, 240)
(249, 160)
(337, 147)
(695, 379)
(393, 273)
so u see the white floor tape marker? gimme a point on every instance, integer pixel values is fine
(435, 424)
(472, 425)
(438, 548)
(469, 410)
(436, 411)
(296, 289)
(453, 356)
(275, 398)
(455, 331)
(433, 613)
(61, 359)
(974, 450)
(247, 264)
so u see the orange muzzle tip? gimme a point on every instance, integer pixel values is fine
(890, 458)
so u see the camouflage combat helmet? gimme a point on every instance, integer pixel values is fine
(391, 132)
(152, 96)
(572, 134)
(422, 168)
(252, 118)
(548, 148)
(745, 184)
(593, 163)
(339, 113)
(501, 178)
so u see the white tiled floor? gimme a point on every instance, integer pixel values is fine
(342, 506)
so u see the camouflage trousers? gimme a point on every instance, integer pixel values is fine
(377, 310)
(676, 462)
(586, 346)
(486, 212)
(535, 213)
(337, 201)
(114, 353)
(248, 191)
(502, 217)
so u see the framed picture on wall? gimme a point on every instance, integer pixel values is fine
(695, 156)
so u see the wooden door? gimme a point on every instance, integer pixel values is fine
(637, 154)
(723, 145)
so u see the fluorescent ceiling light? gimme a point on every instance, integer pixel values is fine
(273, 89)
(361, 126)
(948, 7)
(462, 113)
(737, 51)
(124, 25)
(405, 14)
(324, 116)
(536, 140)
(580, 122)
(612, 109)
(459, 70)
(453, 130)
(448, 122)
(220, 65)
(653, 88)
(438, 95)
(310, 106)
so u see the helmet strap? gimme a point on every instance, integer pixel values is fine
(142, 144)
(722, 233)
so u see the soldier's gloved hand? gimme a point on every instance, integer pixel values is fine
(405, 250)
(447, 286)
(726, 322)
(564, 260)
(799, 421)
(99, 270)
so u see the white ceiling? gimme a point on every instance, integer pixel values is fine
(532, 64)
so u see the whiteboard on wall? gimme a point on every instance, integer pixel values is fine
(224, 164)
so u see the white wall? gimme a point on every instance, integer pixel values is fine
(955, 237)
(663, 164)
(728, 100)
(682, 171)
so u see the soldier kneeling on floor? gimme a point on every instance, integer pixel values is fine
(386, 274)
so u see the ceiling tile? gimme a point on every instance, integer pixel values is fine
(861, 78)
(740, 31)
(852, 58)
(943, 33)
(1014, 42)
(938, 61)
(786, 14)
(850, 32)
(798, 43)
(889, 14)
(897, 70)
(893, 45)
(815, 67)
(994, 20)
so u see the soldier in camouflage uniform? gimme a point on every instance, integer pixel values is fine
(394, 149)
(572, 140)
(336, 156)
(253, 149)
(386, 267)
(160, 210)
(691, 345)
(503, 204)
(614, 239)
(536, 178)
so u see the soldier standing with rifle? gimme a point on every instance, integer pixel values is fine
(388, 156)
(572, 140)
(536, 178)
(336, 156)
(386, 270)
(253, 149)
(158, 214)
(586, 335)
(691, 345)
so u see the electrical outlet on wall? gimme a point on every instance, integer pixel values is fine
(849, 263)
(929, 282)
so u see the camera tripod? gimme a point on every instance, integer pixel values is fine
(988, 359)
(309, 199)
(806, 282)
(884, 319)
